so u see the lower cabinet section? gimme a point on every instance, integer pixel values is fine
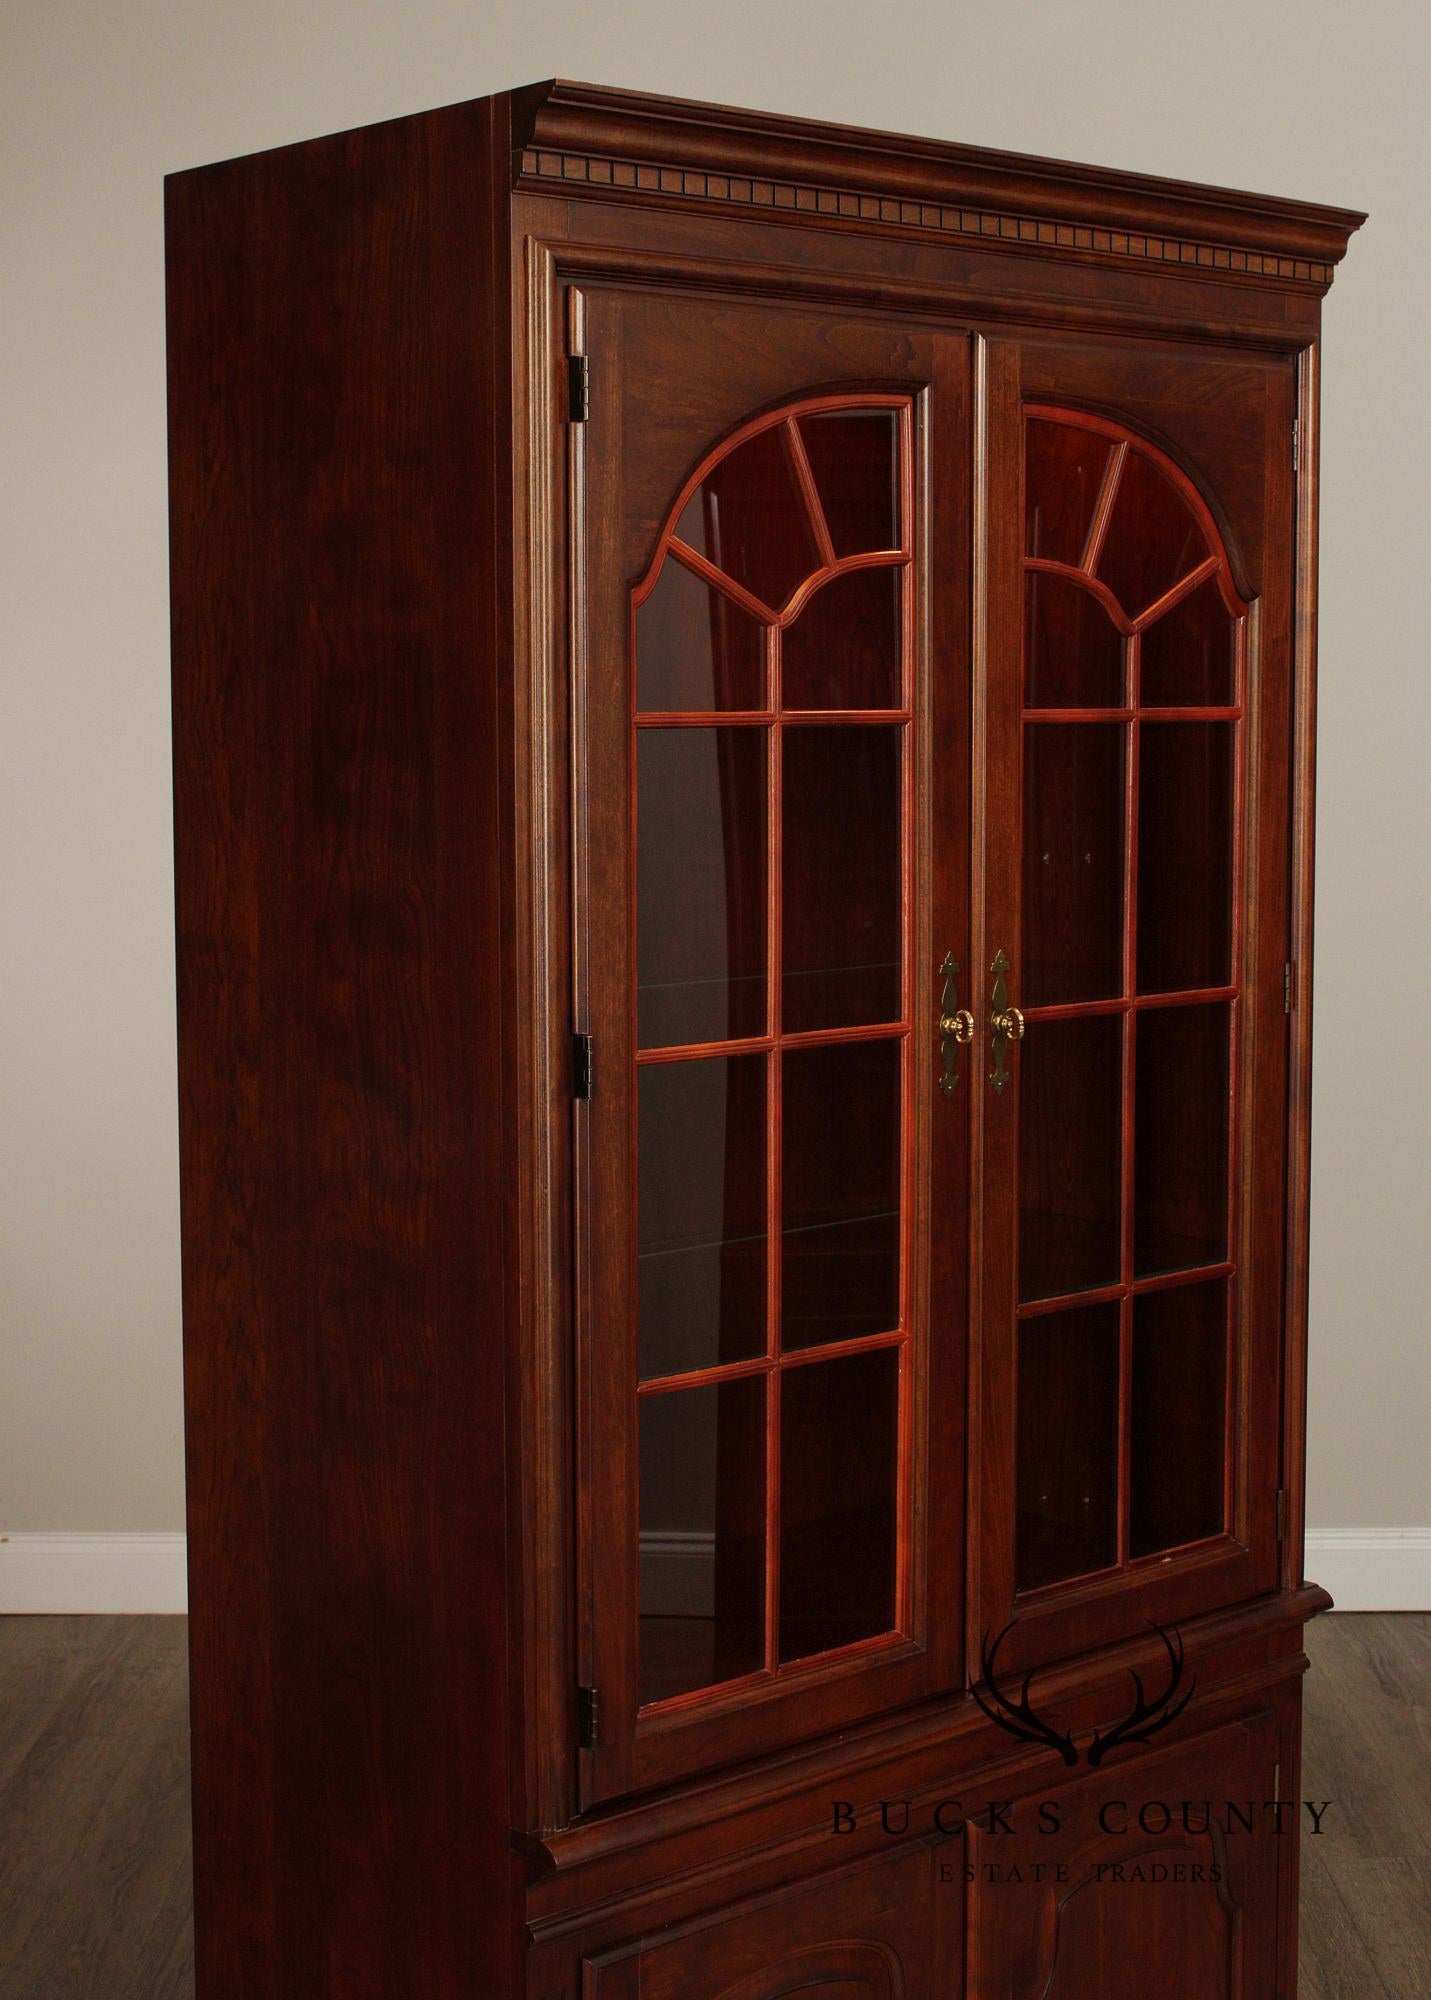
(1160, 1882)
(885, 1931)
(1168, 1874)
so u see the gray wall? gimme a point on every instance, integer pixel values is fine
(102, 97)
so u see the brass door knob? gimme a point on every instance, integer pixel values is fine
(959, 1025)
(1010, 1023)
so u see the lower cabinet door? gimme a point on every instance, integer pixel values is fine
(1157, 1879)
(887, 1930)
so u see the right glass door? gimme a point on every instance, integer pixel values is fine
(1120, 1339)
(1132, 669)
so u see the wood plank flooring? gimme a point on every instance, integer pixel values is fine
(1366, 1743)
(94, 1804)
(94, 1841)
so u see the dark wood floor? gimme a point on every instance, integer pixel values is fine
(94, 1847)
(1366, 1907)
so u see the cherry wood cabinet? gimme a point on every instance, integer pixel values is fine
(744, 714)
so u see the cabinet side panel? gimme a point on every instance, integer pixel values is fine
(340, 702)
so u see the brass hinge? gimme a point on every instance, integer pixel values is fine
(1289, 987)
(587, 1717)
(1296, 444)
(581, 1065)
(1281, 1515)
(578, 388)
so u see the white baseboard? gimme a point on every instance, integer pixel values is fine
(93, 1573)
(1365, 1569)
(1372, 1569)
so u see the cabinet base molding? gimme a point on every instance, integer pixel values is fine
(1193, 1837)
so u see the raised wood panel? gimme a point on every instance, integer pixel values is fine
(1192, 1945)
(1160, 1913)
(884, 1931)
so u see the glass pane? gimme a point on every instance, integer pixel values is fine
(1067, 1445)
(696, 648)
(1153, 537)
(701, 1213)
(748, 517)
(1070, 1156)
(1185, 855)
(1073, 652)
(1074, 799)
(1188, 656)
(1180, 1160)
(840, 1191)
(843, 651)
(840, 897)
(702, 1569)
(700, 884)
(854, 456)
(1179, 1365)
(839, 1499)
(1063, 475)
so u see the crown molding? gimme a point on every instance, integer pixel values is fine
(594, 142)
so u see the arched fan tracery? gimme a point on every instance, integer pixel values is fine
(1133, 689)
(772, 707)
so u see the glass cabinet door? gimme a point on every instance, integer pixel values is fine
(1129, 891)
(933, 966)
(763, 1129)
(773, 1057)
(1123, 1341)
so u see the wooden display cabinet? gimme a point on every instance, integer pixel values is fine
(743, 704)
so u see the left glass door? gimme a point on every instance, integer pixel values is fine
(766, 1451)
